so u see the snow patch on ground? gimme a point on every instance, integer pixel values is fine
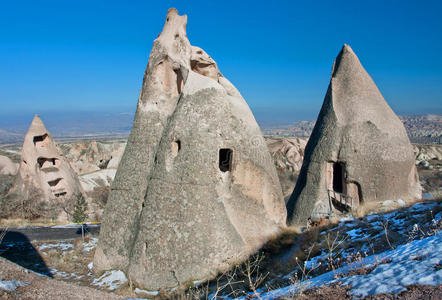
(147, 293)
(412, 263)
(64, 275)
(111, 280)
(90, 245)
(61, 246)
(11, 285)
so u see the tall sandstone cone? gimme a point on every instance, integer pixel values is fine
(196, 189)
(358, 147)
(45, 170)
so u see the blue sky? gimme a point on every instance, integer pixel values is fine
(78, 56)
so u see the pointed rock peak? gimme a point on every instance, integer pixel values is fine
(175, 26)
(37, 124)
(172, 41)
(346, 47)
(36, 118)
(172, 11)
(346, 60)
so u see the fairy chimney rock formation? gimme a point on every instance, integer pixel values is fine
(358, 152)
(44, 169)
(196, 189)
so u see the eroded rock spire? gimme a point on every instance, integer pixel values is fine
(359, 149)
(196, 189)
(45, 174)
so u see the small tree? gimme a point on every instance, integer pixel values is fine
(80, 209)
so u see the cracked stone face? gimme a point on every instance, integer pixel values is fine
(358, 148)
(196, 190)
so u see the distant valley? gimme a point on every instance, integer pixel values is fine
(421, 129)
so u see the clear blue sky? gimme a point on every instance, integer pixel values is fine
(90, 55)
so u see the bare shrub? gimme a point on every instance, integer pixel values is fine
(100, 195)
(6, 183)
(30, 205)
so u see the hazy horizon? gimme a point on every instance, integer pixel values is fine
(80, 123)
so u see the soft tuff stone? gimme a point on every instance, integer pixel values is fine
(7, 166)
(44, 169)
(358, 147)
(196, 190)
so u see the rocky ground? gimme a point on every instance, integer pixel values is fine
(20, 283)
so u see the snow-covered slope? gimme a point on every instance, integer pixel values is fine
(417, 262)
(381, 253)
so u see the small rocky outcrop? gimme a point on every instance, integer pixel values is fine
(44, 170)
(95, 162)
(196, 190)
(7, 166)
(287, 154)
(426, 153)
(91, 156)
(359, 149)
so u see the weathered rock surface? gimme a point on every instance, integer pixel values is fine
(358, 147)
(95, 162)
(44, 169)
(287, 154)
(90, 156)
(427, 152)
(7, 166)
(196, 189)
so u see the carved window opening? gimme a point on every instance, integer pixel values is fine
(225, 159)
(39, 138)
(54, 182)
(41, 161)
